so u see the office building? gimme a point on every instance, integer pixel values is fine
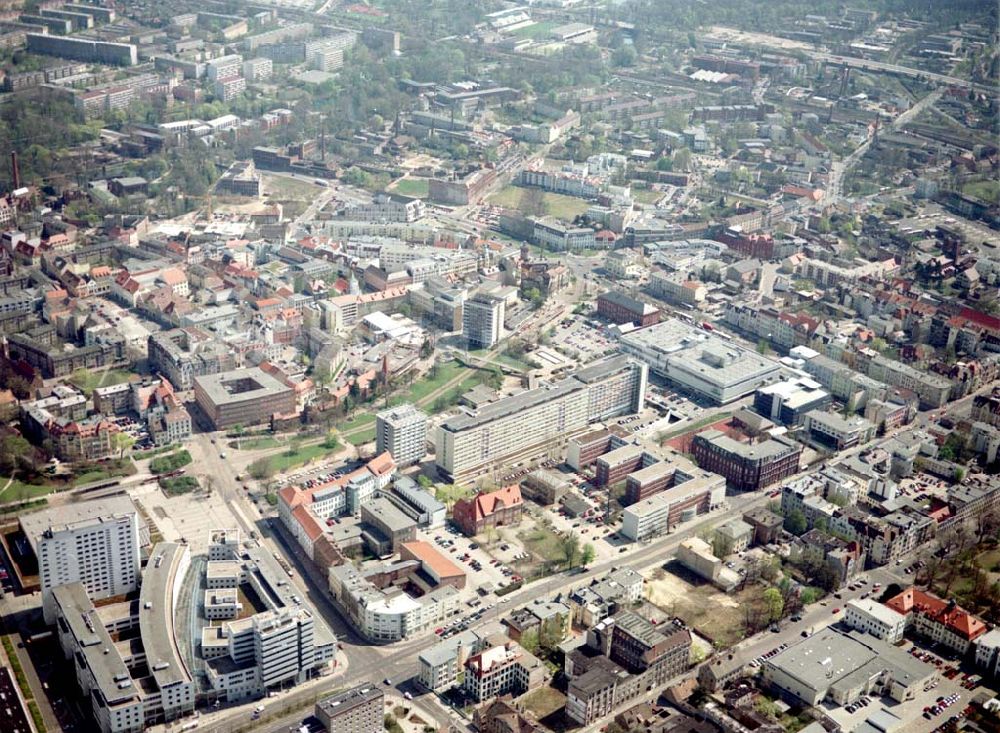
(746, 466)
(384, 527)
(357, 710)
(101, 553)
(482, 321)
(620, 308)
(247, 396)
(843, 667)
(786, 403)
(402, 431)
(539, 420)
(941, 621)
(693, 493)
(121, 703)
(700, 361)
(988, 652)
(834, 431)
(872, 617)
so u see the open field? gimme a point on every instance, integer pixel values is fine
(535, 30)
(557, 205)
(411, 187)
(88, 381)
(713, 614)
(985, 190)
(544, 701)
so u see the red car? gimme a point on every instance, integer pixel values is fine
(836, 610)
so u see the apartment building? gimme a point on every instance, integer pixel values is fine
(505, 668)
(101, 553)
(224, 67)
(402, 431)
(482, 320)
(627, 656)
(532, 422)
(385, 208)
(677, 287)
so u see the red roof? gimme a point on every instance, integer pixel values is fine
(484, 505)
(312, 527)
(426, 554)
(950, 615)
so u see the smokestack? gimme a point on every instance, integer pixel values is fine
(14, 170)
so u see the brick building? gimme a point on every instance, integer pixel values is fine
(502, 507)
(620, 308)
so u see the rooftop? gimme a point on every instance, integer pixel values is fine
(346, 700)
(239, 385)
(156, 613)
(35, 523)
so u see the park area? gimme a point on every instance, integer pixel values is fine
(534, 202)
(415, 187)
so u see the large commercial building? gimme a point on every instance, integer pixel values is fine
(357, 710)
(746, 466)
(531, 423)
(843, 667)
(482, 321)
(402, 431)
(242, 397)
(700, 361)
(284, 644)
(505, 668)
(100, 552)
(121, 702)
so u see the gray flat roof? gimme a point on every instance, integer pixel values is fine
(772, 448)
(387, 513)
(34, 524)
(214, 385)
(341, 702)
(514, 404)
(86, 627)
(156, 614)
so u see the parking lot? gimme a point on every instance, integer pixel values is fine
(581, 338)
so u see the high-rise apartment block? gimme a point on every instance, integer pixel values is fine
(403, 432)
(482, 321)
(102, 553)
(531, 423)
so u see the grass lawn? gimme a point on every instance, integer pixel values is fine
(544, 543)
(646, 195)
(359, 420)
(985, 190)
(360, 438)
(20, 491)
(535, 30)
(411, 187)
(423, 387)
(556, 204)
(295, 457)
(265, 441)
(543, 701)
(88, 381)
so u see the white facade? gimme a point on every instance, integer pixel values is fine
(876, 619)
(403, 432)
(482, 321)
(101, 553)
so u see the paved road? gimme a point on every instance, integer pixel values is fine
(868, 65)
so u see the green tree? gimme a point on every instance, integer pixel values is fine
(532, 202)
(796, 523)
(121, 442)
(774, 603)
(571, 548)
(588, 554)
(809, 596)
(424, 481)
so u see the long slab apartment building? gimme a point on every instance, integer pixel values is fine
(528, 424)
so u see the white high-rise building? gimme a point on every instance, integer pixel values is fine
(482, 321)
(101, 552)
(403, 432)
